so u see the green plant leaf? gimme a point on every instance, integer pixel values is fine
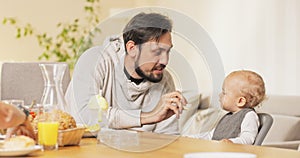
(4, 21)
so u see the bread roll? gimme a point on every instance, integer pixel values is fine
(65, 120)
(18, 142)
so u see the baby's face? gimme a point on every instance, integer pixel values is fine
(230, 93)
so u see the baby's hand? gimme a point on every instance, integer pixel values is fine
(226, 141)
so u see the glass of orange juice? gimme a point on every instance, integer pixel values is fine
(47, 135)
(48, 127)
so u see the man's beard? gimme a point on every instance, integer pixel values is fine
(150, 77)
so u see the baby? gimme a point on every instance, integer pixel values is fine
(241, 92)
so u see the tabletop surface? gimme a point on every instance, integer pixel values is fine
(144, 144)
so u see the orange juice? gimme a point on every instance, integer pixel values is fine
(47, 133)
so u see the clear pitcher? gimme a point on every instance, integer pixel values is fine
(53, 94)
(52, 100)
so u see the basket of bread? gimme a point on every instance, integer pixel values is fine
(68, 132)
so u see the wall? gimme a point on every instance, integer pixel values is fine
(43, 15)
(249, 34)
(252, 34)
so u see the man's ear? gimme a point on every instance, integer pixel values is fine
(241, 102)
(131, 48)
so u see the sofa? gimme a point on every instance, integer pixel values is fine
(285, 131)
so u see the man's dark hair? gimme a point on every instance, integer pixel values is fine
(144, 27)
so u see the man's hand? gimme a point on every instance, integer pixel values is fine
(169, 104)
(23, 129)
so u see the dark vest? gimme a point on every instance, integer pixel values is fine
(230, 125)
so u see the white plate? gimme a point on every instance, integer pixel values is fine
(88, 134)
(219, 155)
(19, 152)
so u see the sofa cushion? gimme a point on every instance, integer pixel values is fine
(203, 120)
(283, 105)
(285, 144)
(191, 109)
(284, 128)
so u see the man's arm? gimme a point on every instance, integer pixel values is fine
(83, 86)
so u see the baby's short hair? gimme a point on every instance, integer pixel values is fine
(253, 88)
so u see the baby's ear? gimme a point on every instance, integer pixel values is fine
(241, 102)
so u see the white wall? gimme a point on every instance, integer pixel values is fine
(249, 34)
(253, 34)
(43, 15)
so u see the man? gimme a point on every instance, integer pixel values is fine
(130, 74)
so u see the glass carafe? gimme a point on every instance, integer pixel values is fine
(52, 100)
(53, 94)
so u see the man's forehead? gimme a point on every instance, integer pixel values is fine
(159, 45)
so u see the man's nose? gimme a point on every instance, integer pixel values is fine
(164, 58)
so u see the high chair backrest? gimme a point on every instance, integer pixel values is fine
(266, 122)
